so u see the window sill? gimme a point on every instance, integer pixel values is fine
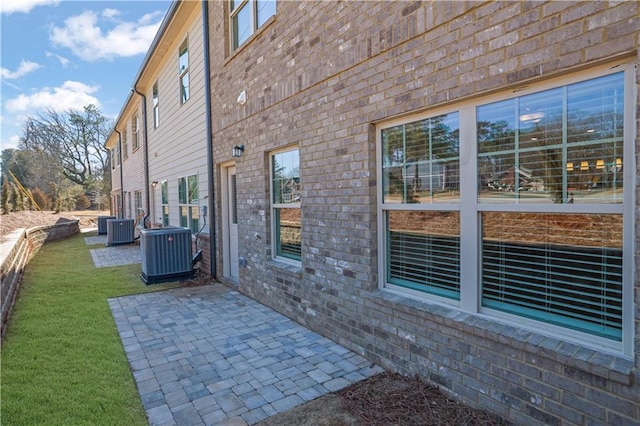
(282, 265)
(250, 39)
(575, 360)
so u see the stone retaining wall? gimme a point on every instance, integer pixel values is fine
(19, 247)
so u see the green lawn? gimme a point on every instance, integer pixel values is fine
(62, 359)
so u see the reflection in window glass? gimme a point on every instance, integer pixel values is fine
(183, 64)
(188, 202)
(421, 161)
(562, 145)
(286, 177)
(165, 203)
(266, 9)
(285, 182)
(242, 26)
(246, 17)
(289, 240)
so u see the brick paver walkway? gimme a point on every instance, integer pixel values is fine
(114, 255)
(210, 355)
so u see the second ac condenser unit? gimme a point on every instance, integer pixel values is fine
(102, 224)
(119, 231)
(166, 254)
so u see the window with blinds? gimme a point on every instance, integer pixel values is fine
(561, 269)
(420, 183)
(517, 205)
(287, 216)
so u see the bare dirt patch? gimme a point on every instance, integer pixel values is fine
(384, 400)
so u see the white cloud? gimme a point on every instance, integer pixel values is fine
(72, 94)
(86, 39)
(110, 13)
(24, 6)
(24, 68)
(63, 61)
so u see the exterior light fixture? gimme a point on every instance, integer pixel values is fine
(154, 183)
(237, 151)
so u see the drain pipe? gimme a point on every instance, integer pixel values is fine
(208, 126)
(145, 152)
(121, 216)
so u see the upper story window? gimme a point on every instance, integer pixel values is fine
(286, 213)
(518, 207)
(118, 153)
(113, 158)
(125, 145)
(246, 17)
(183, 66)
(156, 106)
(135, 131)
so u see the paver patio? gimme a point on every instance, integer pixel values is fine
(114, 255)
(210, 355)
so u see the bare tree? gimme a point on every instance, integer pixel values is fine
(73, 139)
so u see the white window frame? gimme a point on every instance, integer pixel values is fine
(137, 203)
(192, 204)
(183, 72)
(125, 149)
(471, 208)
(279, 206)
(253, 20)
(135, 132)
(156, 105)
(164, 202)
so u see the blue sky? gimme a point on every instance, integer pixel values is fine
(68, 54)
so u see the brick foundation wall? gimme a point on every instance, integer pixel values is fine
(20, 247)
(318, 76)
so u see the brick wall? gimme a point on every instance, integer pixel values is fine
(319, 75)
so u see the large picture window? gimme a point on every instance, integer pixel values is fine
(188, 202)
(516, 206)
(287, 217)
(246, 16)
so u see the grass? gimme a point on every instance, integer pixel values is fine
(62, 358)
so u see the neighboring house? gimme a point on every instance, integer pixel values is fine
(360, 204)
(170, 89)
(128, 195)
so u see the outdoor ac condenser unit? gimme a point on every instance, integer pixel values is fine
(166, 254)
(119, 231)
(102, 224)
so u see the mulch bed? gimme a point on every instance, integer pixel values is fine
(392, 399)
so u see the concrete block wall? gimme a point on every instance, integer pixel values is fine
(319, 75)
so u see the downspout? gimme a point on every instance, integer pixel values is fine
(208, 126)
(145, 152)
(121, 174)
